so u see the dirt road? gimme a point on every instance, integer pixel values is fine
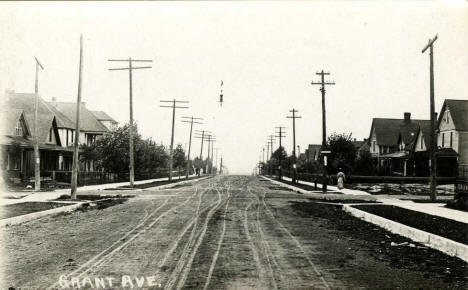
(228, 232)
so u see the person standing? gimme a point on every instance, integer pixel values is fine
(341, 178)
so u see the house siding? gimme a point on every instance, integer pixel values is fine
(463, 148)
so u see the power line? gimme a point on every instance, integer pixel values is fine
(432, 139)
(130, 69)
(294, 117)
(280, 136)
(322, 84)
(75, 161)
(174, 107)
(192, 120)
(37, 156)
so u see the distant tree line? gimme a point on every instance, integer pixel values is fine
(343, 155)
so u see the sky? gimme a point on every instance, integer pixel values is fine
(266, 53)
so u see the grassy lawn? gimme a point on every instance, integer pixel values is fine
(446, 228)
(17, 209)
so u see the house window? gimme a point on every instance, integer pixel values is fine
(50, 135)
(446, 117)
(19, 128)
(373, 146)
(451, 135)
(421, 143)
(443, 139)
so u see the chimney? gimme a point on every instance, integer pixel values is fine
(407, 117)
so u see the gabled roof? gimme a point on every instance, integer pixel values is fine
(425, 130)
(10, 119)
(26, 103)
(388, 131)
(62, 120)
(102, 116)
(45, 122)
(458, 111)
(88, 121)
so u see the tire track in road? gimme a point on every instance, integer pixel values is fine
(151, 225)
(181, 235)
(260, 270)
(298, 244)
(184, 263)
(220, 242)
(100, 258)
(266, 248)
(108, 257)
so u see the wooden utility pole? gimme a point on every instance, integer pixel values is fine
(294, 117)
(432, 138)
(192, 121)
(263, 155)
(37, 157)
(202, 137)
(212, 153)
(174, 107)
(322, 84)
(221, 166)
(280, 136)
(130, 69)
(271, 142)
(216, 163)
(76, 141)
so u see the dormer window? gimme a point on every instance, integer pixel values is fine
(446, 117)
(19, 128)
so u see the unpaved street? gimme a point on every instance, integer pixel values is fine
(226, 232)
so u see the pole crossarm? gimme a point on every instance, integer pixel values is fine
(431, 42)
(131, 59)
(38, 63)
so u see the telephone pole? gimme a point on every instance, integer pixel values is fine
(202, 137)
(271, 142)
(174, 107)
(130, 69)
(294, 117)
(221, 166)
(76, 161)
(37, 157)
(212, 154)
(280, 136)
(322, 84)
(432, 139)
(192, 120)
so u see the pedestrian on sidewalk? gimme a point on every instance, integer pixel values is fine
(341, 178)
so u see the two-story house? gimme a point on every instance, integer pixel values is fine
(391, 141)
(91, 128)
(47, 136)
(453, 129)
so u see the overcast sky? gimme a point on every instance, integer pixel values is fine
(267, 53)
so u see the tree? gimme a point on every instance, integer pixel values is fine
(365, 164)
(343, 152)
(179, 157)
(113, 151)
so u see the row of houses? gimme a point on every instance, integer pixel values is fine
(401, 146)
(55, 133)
